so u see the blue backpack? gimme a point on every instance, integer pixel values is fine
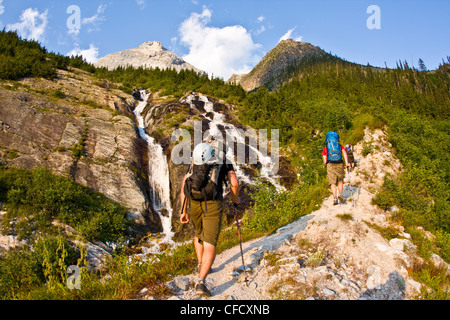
(334, 152)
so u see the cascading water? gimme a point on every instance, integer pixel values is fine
(218, 120)
(158, 177)
(159, 170)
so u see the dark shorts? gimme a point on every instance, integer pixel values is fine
(335, 173)
(207, 225)
(351, 158)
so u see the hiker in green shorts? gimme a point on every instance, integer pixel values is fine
(333, 155)
(206, 211)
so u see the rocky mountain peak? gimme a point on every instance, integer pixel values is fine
(150, 54)
(152, 45)
(274, 68)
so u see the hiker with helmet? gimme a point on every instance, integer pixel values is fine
(350, 156)
(333, 155)
(202, 192)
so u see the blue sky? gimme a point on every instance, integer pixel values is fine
(225, 37)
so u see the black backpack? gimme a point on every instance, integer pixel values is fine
(201, 182)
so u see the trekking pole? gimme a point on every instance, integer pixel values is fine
(240, 244)
(348, 172)
(350, 188)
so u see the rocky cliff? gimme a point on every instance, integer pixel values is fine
(277, 64)
(81, 128)
(148, 55)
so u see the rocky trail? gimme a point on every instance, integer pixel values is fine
(334, 253)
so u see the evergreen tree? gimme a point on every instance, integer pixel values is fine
(422, 66)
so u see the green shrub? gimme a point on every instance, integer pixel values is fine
(59, 94)
(53, 255)
(23, 270)
(366, 149)
(40, 197)
(273, 209)
(18, 272)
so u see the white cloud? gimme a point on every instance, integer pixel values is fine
(260, 30)
(95, 19)
(288, 35)
(218, 51)
(73, 32)
(141, 3)
(90, 55)
(32, 24)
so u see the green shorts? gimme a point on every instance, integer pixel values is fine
(207, 225)
(335, 173)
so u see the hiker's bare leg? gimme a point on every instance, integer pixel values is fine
(209, 254)
(198, 249)
(333, 190)
(340, 187)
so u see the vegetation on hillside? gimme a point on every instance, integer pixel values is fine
(21, 58)
(35, 199)
(171, 83)
(414, 105)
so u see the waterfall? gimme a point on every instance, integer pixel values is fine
(158, 177)
(159, 169)
(217, 120)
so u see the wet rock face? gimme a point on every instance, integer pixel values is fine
(39, 128)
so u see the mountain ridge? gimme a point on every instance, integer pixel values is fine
(150, 54)
(278, 64)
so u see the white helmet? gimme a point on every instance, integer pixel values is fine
(203, 152)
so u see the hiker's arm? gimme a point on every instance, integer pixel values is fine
(184, 219)
(344, 152)
(234, 186)
(324, 160)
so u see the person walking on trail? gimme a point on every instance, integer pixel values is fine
(202, 191)
(333, 155)
(350, 156)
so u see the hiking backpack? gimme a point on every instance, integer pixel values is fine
(202, 181)
(334, 152)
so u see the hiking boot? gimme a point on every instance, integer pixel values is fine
(335, 201)
(342, 199)
(202, 290)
